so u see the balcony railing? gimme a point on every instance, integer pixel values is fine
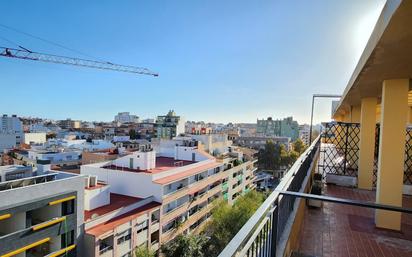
(262, 235)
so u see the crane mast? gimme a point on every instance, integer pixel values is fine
(26, 54)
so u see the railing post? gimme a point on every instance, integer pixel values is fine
(275, 218)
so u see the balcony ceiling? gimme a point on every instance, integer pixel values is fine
(387, 55)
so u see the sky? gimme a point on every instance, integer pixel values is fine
(219, 61)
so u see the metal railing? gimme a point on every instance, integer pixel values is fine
(262, 233)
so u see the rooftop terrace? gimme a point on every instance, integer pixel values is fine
(162, 164)
(117, 201)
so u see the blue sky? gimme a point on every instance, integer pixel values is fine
(218, 61)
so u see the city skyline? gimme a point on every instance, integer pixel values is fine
(217, 39)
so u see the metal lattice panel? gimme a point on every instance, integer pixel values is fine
(407, 178)
(340, 149)
(375, 161)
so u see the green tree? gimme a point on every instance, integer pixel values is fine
(132, 134)
(185, 246)
(269, 157)
(299, 146)
(144, 251)
(228, 220)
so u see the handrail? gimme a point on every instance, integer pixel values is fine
(347, 201)
(247, 230)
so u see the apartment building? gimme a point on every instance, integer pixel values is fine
(169, 125)
(116, 224)
(182, 178)
(41, 212)
(126, 117)
(286, 127)
(260, 142)
(11, 132)
(69, 124)
(304, 132)
(34, 138)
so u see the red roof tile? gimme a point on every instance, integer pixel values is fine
(116, 201)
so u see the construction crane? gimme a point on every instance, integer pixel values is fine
(26, 54)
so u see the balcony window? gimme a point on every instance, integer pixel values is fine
(67, 239)
(176, 186)
(68, 207)
(175, 223)
(124, 236)
(155, 216)
(142, 226)
(175, 204)
(106, 245)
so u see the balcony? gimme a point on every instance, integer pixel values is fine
(341, 230)
(343, 225)
(51, 229)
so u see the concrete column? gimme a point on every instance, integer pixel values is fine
(367, 142)
(409, 115)
(392, 151)
(355, 114)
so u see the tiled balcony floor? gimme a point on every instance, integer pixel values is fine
(342, 230)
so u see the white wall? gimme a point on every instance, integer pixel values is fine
(125, 182)
(141, 160)
(37, 138)
(54, 157)
(96, 197)
(185, 153)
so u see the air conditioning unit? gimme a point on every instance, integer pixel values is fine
(93, 181)
(87, 181)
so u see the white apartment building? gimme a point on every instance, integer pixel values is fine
(181, 177)
(34, 138)
(126, 117)
(11, 132)
(11, 124)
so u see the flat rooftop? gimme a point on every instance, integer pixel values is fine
(117, 201)
(35, 179)
(162, 164)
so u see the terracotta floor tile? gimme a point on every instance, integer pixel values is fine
(341, 230)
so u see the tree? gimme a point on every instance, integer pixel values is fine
(299, 146)
(185, 246)
(144, 251)
(132, 134)
(269, 157)
(228, 220)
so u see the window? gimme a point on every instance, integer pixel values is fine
(67, 239)
(68, 207)
(124, 236)
(141, 226)
(127, 255)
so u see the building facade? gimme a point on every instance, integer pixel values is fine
(182, 178)
(169, 126)
(126, 117)
(304, 132)
(41, 213)
(286, 127)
